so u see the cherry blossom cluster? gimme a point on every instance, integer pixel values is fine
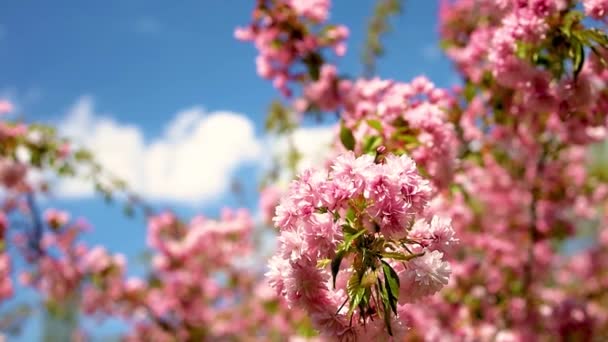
(12, 182)
(355, 244)
(404, 117)
(290, 40)
(508, 158)
(6, 286)
(64, 264)
(366, 244)
(526, 116)
(597, 9)
(201, 283)
(198, 286)
(269, 199)
(533, 53)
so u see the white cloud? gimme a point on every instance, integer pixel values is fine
(312, 143)
(191, 162)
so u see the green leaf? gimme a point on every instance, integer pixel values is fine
(356, 299)
(578, 58)
(407, 138)
(335, 265)
(321, 210)
(313, 62)
(347, 229)
(375, 124)
(350, 238)
(569, 20)
(596, 35)
(371, 143)
(66, 170)
(347, 138)
(83, 155)
(401, 256)
(354, 290)
(323, 263)
(522, 50)
(391, 280)
(469, 91)
(391, 276)
(353, 283)
(336, 216)
(386, 307)
(279, 119)
(369, 279)
(387, 319)
(350, 216)
(276, 44)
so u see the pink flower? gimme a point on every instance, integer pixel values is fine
(5, 106)
(96, 260)
(283, 51)
(3, 225)
(12, 173)
(438, 235)
(269, 199)
(316, 10)
(244, 34)
(56, 218)
(323, 92)
(597, 9)
(64, 150)
(424, 276)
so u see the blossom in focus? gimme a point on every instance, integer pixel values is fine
(329, 215)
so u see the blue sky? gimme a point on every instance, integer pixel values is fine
(143, 76)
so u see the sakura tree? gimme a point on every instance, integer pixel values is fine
(438, 214)
(506, 155)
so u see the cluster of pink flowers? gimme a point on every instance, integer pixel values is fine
(498, 186)
(407, 117)
(201, 279)
(380, 202)
(198, 287)
(519, 46)
(597, 9)
(214, 238)
(12, 182)
(507, 156)
(269, 199)
(63, 263)
(288, 39)
(9, 130)
(56, 218)
(315, 10)
(12, 173)
(6, 286)
(403, 117)
(523, 187)
(324, 93)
